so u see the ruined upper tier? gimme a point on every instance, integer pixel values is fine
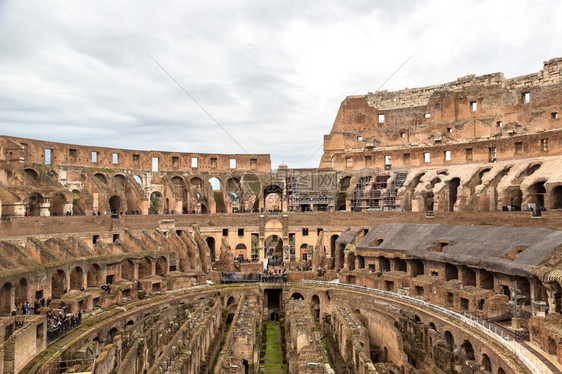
(473, 119)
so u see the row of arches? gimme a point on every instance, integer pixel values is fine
(78, 278)
(469, 276)
(466, 349)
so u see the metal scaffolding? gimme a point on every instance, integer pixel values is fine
(376, 190)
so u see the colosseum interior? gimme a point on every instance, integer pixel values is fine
(428, 240)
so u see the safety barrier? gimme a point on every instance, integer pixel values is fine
(531, 361)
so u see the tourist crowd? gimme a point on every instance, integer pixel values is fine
(57, 324)
(61, 323)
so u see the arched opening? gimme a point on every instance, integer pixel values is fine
(137, 179)
(304, 252)
(32, 174)
(333, 239)
(536, 193)
(145, 267)
(231, 300)
(6, 298)
(344, 183)
(76, 278)
(416, 181)
(428, 198)
(272, 195)
(120, 179)
(486, 363)
(315, 303)
(94, 275)
(161, 266)
(115, 204)
(241, 252)
(211, 243)
(384, 264)
(449, 340)
(79, 204)
(467, 350)
(399, 264)
(101, 177)
(110, 335)
(178, 181)
(273, 247)
(215, 183)
(297, 296)
(432, 326)
(552, 346)
(58, 281)
(360, 262)
(246, 366)
(416, 267)
(453, 191)
(218, 195)
(481, 175)
(556, 198)
(468, 276)
(506, 291)
(486, 280)
(235, 200)
(532, 169)
(501, 371)
(514, 197)
(127, 270)
(451, 272)
(155, 203)
(196, 182)
(130, 322)
(21, 291)
(58, 203)
(33, 204)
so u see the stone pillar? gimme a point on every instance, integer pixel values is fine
(95, 203)
(136, 269)
(68, 208)
(377, 264)
(284, 206)
(551, 293)
(44, 208)
(478, 277)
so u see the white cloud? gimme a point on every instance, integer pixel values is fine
(272, 73)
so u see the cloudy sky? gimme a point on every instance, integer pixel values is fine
(272, 73)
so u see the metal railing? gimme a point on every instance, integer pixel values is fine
(531, 361)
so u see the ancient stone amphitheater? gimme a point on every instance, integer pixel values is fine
(428, 240)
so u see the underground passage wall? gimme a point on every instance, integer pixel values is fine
(326, 329)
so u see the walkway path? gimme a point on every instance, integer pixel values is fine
(554, 368)
(273, 361)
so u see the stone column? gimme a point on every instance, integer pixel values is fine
(551, 293)
(44, 207)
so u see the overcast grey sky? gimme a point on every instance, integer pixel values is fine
(273, 73)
